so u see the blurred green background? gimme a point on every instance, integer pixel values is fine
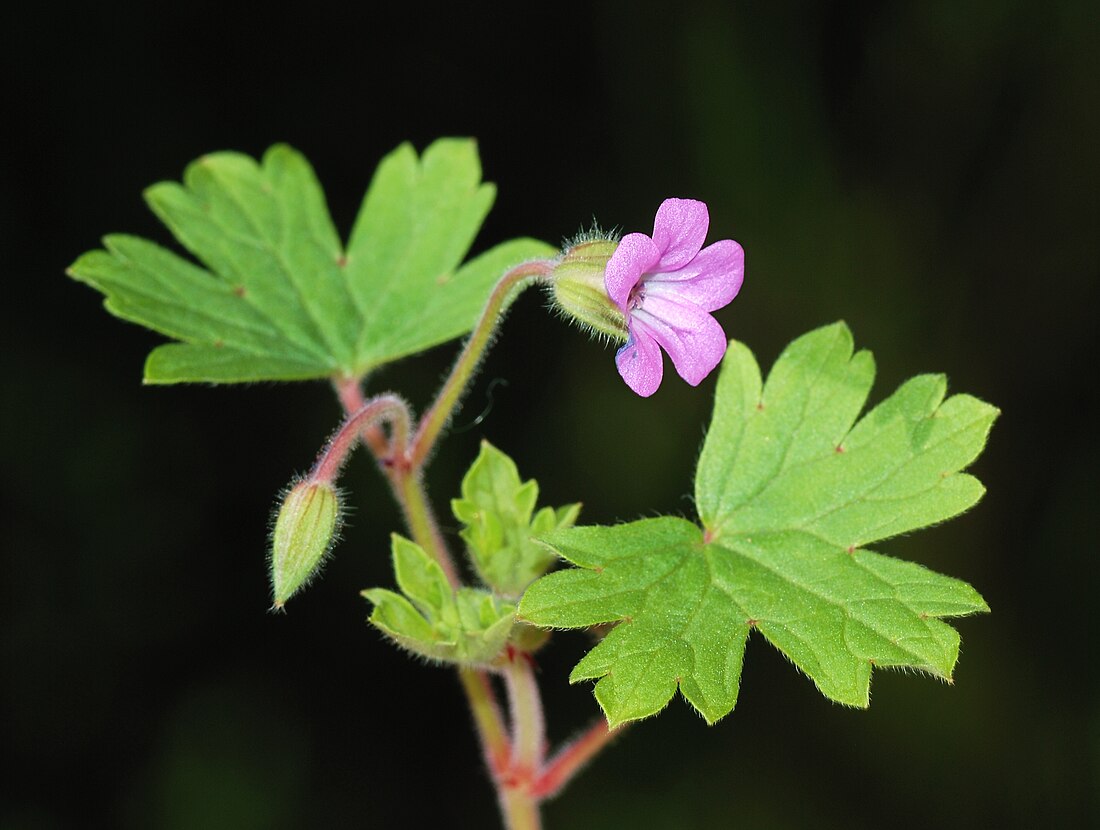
(927, 171)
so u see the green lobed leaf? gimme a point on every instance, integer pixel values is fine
(429, 618)
(789, 489)
(279, 298)
(501, 525)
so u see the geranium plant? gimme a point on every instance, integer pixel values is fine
(792, 485)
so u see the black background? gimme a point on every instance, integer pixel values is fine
(925, 171)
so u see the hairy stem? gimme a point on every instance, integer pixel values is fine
(528, 725)
(350, 393)
(495, 746)
(518, 800)
(519, 808)
(407, 484)
(516, 762)
(408, 487)
(571, 758)
(368, 415)
(436, 418)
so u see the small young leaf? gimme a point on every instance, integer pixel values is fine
(428, 618)
(279, 298)
(788, 492)
(496, 507)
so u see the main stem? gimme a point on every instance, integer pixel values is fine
(518, 800)
(408, 490)
(517, 763)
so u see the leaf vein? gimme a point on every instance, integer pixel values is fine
(274, 249)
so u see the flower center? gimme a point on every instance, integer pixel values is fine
(636, 296)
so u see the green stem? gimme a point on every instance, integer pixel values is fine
(518, 800)
(519, 812)
(408, 487)
(435, 419)
(528, 723)
(495, 746)
(515, 764)
(520, 809)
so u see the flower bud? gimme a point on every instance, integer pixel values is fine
(305, 528)
(578, 288)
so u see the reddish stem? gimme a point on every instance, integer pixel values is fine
(384, 408)
(496, 748)
(407, 486)
(517, 763)
(528, 722)
(571, 758)
(406, 482)
(350, 392)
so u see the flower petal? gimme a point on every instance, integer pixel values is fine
(692, 338)
(679, 230)
(640, 363)
(635, 255)
(710, 281)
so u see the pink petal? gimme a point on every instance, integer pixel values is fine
(710, 281)
(679, 230)
(635, 256)
(640, 363)
(692, 338)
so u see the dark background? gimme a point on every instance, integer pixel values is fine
(926, 171)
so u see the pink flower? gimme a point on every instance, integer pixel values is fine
(666, 285)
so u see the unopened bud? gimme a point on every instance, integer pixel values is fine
(305, 529)
(578, 288)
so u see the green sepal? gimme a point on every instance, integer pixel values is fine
(790, 488)
(429, 618)
(306, 526)
(578, 289)
(501, 525)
